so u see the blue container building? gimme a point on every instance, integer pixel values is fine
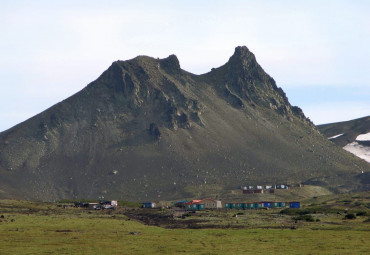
(294, 204)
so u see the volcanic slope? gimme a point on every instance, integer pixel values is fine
(146, 129)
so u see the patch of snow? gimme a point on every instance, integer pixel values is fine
(358, 150)
(363, 137)
(333, 137)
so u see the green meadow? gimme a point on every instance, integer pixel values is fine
(46, 228)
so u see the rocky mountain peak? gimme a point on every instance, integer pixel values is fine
(170, 63)
(243, 58)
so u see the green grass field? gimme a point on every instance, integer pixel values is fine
(43, 228)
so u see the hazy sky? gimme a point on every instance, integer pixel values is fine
(317, 51)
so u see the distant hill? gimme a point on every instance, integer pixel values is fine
(148, 130)
(353, 136)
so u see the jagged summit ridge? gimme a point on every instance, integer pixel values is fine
(145, 81)
(241, 81)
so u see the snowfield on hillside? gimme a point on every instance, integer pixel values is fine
(359, 150)
(363, 137)
(333, 137)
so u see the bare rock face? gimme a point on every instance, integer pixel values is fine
(154, 131)
(246, 78)
(169, 134)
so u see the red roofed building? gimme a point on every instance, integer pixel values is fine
(204, 203)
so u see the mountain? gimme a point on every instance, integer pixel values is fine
(353, 136)
(146, 129)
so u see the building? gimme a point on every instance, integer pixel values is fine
(81, 204)
(181, 203)
(253, 191)
(166, 204)
(240, 205)
(279, 204)
(194, 206)
(294, 204)
(232, 205)
(268, 204)
(93, 205)
(206, 203)
(282, 204)
(149, 205)
(110, 204)
(282, 186)
(211, 203)
(258, 205)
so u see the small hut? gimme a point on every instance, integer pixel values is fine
(294, 204)
(148, 205)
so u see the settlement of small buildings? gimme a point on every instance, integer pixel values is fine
(208, 203)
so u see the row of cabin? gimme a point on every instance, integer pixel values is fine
(256, 191)
(259, 205)
(107, 204)
(165, 204)
(208, 203)
(194, 205)
(260, 187)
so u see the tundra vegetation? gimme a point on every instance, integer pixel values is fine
(321, 226)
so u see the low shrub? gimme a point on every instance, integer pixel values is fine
(312, 210)
(345, 201)
(358, 204)
(294, 211)
(306, 217)
(350, 216)
(361, 213)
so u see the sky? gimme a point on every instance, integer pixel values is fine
(317, 51)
